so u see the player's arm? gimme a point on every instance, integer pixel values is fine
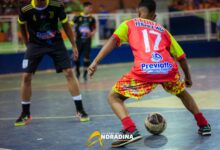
(119, 36)
(69, 32)
(24, 34)
(177, 52)
(108, 47)
(94, 29)
(184, 66)
(23, 28)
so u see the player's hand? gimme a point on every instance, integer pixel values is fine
(75, 53)
(90, 34)
(188, 82)
(92, 69)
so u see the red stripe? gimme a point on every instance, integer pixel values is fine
(181, 57)
(117, 38)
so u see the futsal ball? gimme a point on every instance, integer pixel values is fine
(155, 123)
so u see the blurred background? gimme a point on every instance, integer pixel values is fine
(192, 22)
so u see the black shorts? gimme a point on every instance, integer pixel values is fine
(84, 48)
(35, 54)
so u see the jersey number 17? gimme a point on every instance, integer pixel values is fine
(146, 40)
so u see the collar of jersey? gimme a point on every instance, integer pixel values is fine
(83, 14)
(34, 5)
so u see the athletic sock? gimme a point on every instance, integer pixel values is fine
(26, 107)
(128, 124)
(78, 102)
(200, 119)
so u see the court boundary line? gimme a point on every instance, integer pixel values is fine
(97, 116)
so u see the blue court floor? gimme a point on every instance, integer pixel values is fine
(55, 127)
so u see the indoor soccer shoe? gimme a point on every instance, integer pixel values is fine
(127, 138)
(83, 116)
(205, 130)
(23, 120)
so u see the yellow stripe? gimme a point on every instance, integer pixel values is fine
(34, 5)
(72, 23)
(65, 20)
(21, 22)
(26, 8)
(56, 5)
(53, 3)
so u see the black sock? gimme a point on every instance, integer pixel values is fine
(77, 63)
(79, 105)
(26, 109)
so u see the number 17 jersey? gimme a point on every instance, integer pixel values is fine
(154, 48)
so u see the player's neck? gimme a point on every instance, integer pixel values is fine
(39, 4)
(86, 13)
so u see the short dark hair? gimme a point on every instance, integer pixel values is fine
(149, 4)
(85, 4)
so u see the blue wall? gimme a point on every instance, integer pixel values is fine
(11, 63)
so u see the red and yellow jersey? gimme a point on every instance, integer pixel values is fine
(154, 49)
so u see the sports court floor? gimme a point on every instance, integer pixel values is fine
(54, 126)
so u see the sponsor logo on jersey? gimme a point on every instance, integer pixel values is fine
(46, 35)
(156, 57)
(156, 68)
(149, 24)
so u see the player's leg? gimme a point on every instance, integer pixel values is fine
(86, 60)
(63, 64)
(116, 101)
(77, 62)
(127, 88)
(30, 62)
(190, 104)
(178, 88)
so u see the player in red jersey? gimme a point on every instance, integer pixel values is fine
(155, 54)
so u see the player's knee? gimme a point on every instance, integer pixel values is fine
(111, 97)
(68, 74)
(181, 95)
(27, 77)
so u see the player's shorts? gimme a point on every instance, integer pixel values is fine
(35, 54)
(132, 88)
(84, 48)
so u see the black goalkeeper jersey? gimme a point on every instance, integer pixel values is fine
(83, 25)
(42, 23)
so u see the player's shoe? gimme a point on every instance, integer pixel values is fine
(133, 137)
(205, 130)
(83, 116)
(23, 120)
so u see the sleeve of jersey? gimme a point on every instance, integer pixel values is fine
(121, 33)
(175, 49)
(62, 15)
(73, 21)
(21, 18)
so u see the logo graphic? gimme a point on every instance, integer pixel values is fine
(51, 14)
(157, 68)
(96, 137)
(156, 57)
(92, 136)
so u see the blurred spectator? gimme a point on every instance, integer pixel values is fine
(103, 21)
(218, 28)
(8, 7)
(72, 6)
(193, 4)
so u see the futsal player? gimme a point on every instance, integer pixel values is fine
(40, 20)
(85, 28)
(155, 55)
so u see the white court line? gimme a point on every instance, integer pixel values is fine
(93, 116)
(4, 149)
